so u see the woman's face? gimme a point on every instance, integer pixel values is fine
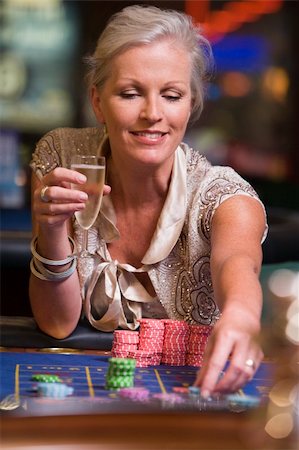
(146, 102)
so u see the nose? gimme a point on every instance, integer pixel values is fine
(151, 109)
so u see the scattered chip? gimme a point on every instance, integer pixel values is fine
(46, 378)
(180, 389)
(54, 390)
(135, 394)
(193, 390)
(243, 400)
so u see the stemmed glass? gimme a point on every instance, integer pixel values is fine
(93, 167)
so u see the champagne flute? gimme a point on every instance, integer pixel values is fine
(93, 167)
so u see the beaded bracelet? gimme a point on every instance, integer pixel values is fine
(51, 262)
(38, 270)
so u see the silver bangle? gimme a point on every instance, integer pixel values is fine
(44, 274)
(52, 262)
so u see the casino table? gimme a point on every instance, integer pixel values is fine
(94, 417)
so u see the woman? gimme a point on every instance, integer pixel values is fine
(176, 237)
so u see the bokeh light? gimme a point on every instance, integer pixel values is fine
(284, 283)
(281, 393)
(280, 425)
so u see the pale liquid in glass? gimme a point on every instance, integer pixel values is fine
(94, 189)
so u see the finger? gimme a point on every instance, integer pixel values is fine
(57, 194)
(240, 382)
(44, 212)
(256, 356)
(53, 220)
(215, 360)
(238, 372)
(235, 378)
(106, 189)
(61, 175)
(56, 209)
(57, 214)
(231, 380)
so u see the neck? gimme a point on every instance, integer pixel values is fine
(137, 186)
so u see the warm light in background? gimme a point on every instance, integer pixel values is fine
(276, 83)
(280, 425)
(282, 393)
(235, 84)
(284, 283)
(216, 23)
(283, 408)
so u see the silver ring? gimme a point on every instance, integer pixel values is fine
(250, 363)
(43, 195)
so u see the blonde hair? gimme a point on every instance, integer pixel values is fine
(142, 25)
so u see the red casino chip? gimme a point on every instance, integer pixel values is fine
(180, 390)
(148, 332)
(194, 360)
(126, 336)
(119, 354)
(151, 323)
(200, 329)
(124, 347)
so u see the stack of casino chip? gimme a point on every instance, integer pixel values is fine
(124, 342)
(151, 338)
(199, 335)
(176, 337)
(120, 373)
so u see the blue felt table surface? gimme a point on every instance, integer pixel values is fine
(86, 373)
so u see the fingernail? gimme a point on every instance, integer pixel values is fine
(83, 196)
(81, 178)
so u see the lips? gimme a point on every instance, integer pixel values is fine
(153, 135)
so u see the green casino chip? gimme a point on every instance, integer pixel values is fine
(46, 378)
(122, 363)
(120, 373)
(119, 382)
(115, 372)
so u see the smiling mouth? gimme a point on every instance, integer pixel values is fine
(149, 135)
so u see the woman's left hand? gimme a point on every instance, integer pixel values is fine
(230, 340)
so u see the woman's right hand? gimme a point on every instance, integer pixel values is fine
(60, 201)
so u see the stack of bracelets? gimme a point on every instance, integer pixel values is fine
(38, 263)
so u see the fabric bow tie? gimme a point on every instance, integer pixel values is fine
(120, 283)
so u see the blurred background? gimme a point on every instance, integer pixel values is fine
(250, 120)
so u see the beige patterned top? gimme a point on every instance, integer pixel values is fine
(178, 259)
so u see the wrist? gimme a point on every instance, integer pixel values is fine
(53, 244)
(244, 317)
(48, 269)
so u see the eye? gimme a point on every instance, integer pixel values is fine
(172, 98)
(172, 95)
(130, 95)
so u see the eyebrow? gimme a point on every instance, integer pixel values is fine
(139, 83)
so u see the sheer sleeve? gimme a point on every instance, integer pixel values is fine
(55, 149)
(220, 184)
(47, 154)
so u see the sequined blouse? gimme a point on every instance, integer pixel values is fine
(178, 258)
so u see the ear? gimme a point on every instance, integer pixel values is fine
(96, 104)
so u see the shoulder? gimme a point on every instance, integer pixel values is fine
(209, 186)
(57, 146)
(59, 138)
